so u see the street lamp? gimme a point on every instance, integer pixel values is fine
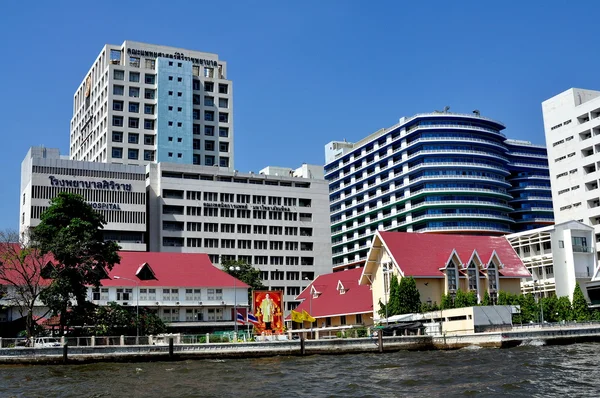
(235, 325)
(137, 306)
(535, 284)
(310, 306)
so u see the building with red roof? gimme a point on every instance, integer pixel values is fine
(442, 264)
(336, 301)
(184, 289)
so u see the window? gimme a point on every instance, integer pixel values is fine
(134, 92)
(224, 132)
(132, 154)
(209, 72)
(223, 89)
(148, 124)
(223, 147)
(195, 159)
(117, 136)
(561, 244)
(209, 101)
(196, 114)
(209, 160)
(117, 153)
(209, 145)
(223, 161)
(118, 90)
(133, 138)
(148, 139)
(223, 117)
(196, 144)
(196, 83)
(149, 155)
(149, 94)
(451, 275)
(134, 61)
(134, 122)
(209, 87)
(223, 103)
(149, 79)
(118, 74)
(117, 121)
(134, 107)
(492, 282)
(209, 131)
(179, 79)
(124, 294)
(150, 63)
(134, 77)
(117, 105)
(209, 116)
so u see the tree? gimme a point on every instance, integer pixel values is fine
(21, 270)
(394, 305)
(581, 311)
(114, 319)
(247, 274)
(564, 309)
(71, 230)
(447, 302)
(486, 299)
(409, 296)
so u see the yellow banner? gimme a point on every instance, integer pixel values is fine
(297, 317)
(306, 316)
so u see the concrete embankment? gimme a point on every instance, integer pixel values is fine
(172, 352)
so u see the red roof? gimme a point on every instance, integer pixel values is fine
(422, 255)
(357, 298)
(171, 269)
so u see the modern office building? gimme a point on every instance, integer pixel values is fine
(557, 256)
(572, 127)
(277, 223)
(437, 172)
(117, 191)
(530, 179)
(141, 103)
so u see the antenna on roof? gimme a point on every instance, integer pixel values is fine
(476, 112)
(446, 109)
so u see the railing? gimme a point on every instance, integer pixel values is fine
(582, 249)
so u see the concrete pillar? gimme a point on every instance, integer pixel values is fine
(0, 342)
(207, 337)
(317, 334)
(62, 340)
(178, 339)
(93, 341)
(122, 340)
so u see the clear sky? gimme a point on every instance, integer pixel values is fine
(305, 72)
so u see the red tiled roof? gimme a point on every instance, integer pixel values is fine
(422, 255)
(356, 300)
(171, 269)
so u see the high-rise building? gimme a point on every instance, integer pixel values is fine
(116, 191)
(142, 103)
(278, 222)
(530, 179)
(437, 172)
(572, 127)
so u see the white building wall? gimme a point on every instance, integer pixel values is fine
(215, 211)
(572, 128)
(117, 191)
(555, 262)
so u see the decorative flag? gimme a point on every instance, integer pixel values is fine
(252, 318)
(297, 316)
(307, 316)
(240, 319)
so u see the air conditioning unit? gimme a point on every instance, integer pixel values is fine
(222, 302)
(200, 302)
(157, 303)
(177, 303)
(124, 304)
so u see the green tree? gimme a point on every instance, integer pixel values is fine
(460, 300)
(550, 308)
(581, 311)
(71, 230)
(564, 309)
(394, 306)
(529, 308)
(447, 302)
(486, 299)
(409, 298)
(247, 274)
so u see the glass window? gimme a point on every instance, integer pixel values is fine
(223, 132)
(118, 90)
(134, 92)
(134, 77)
(132, 154)
(118, 74)
(117, 153)
(134, 107)
(149, 79)
(133, 138)
(117, 136)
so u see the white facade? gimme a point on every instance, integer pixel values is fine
(572, 128)
(142, 103)
(117, 191)
(557, 256)
(278, 224)
(176, 304)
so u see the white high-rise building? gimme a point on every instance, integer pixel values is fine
(572, 127)
(141, 103)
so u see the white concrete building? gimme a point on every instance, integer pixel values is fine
(117, 191)
(572, 127)
(279, 224)
(142, 103)
(557, 257)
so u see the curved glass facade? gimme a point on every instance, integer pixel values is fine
(439, 172)
(530, 185)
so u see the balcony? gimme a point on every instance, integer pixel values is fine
(582, 249)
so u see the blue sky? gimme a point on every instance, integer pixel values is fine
(306, 72)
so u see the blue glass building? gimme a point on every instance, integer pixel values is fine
(439, 172)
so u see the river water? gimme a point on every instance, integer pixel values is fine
(534, 370)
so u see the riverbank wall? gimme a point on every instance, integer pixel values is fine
(173, 352)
